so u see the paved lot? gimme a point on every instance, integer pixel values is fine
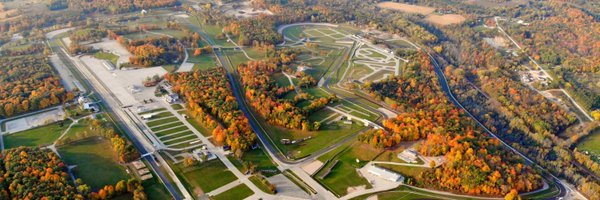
(120, 82)
(36, 120)
(286, 187)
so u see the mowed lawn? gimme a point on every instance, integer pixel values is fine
(41, 136)
(591, 143)
(343, 174)
(238, 192)
(328, 135)
(260, 159)
(208, 175)
(95, 160)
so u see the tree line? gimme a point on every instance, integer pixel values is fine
(210, 101)
(29, 83)
(475, 164)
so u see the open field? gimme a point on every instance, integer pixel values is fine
(238, 192)
(423, 10)
(40, 136)
(328, 135)
(591, 143)
(96, 162)
(107, 56)
(446, 19)
(260, 159)
(208, 176)
(343, 175)
(201, 62)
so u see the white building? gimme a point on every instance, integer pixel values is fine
(409, 156)
(385, 174)
(203, 155)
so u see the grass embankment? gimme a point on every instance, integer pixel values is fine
(41, 136)
(238, 192)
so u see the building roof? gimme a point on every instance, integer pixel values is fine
(385, 174)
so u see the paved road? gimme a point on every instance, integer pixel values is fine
(121, 118)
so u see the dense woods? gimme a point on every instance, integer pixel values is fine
(34, 174)
(210, 101)
(117, 6)
(155, 51)
(29, 83)
(475, 163)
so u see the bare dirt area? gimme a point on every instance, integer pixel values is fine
(423, 10)
(114, 47)
(445, 19)
(312, 167)
(492, 4)
(122, 82)
(32, 121)
(243, 10)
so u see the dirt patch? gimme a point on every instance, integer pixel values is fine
(312, 167)
(423, 10)
(446, 19)
(357, 188)
(493, 4)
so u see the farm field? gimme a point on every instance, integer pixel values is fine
(40, 136)
(423, 10)
(446, 19)
(96, 162)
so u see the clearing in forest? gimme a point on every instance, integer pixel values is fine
(423, 10)
(445, 19)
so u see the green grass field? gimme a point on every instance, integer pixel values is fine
(238, 192)
(170, 131)
(155, 190)
(166, 126)
(107, 56)
(162, 121)
(591, 143)
(172, 136)
(201, 62)
(40, 136)
(209, 175)
(343, 174)
(257, 181)
(260, 159)
(406, 171)
(152, 111)
(95, 160)
(176, 106)
(281, 80)
(328, 135)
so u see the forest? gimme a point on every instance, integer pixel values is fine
(209, 99)
(475, 163)
(117, 6)
(34, 173)
(29, 83)
(155, 51)
(266, 96)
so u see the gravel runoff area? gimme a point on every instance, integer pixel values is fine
(32, 121)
